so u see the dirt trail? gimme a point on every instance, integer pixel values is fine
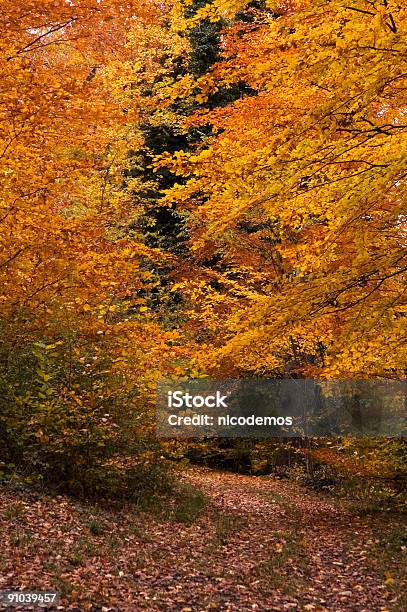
(279, 548)
(259, 544)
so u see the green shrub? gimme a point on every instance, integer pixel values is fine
(64, 421)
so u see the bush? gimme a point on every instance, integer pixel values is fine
(67, 419)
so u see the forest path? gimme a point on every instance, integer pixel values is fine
(247, 543)
(277, 546)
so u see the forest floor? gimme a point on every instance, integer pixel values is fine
(247, 543)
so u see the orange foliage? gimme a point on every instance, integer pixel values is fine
(71, 83)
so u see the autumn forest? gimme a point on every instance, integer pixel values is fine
(199, 189)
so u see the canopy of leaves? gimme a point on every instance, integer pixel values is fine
(300, 194)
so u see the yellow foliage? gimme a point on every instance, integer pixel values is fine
(304, 193)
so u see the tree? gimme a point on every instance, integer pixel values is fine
(80, 351)
(304, 189)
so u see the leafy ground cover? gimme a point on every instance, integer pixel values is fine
(228, 542)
